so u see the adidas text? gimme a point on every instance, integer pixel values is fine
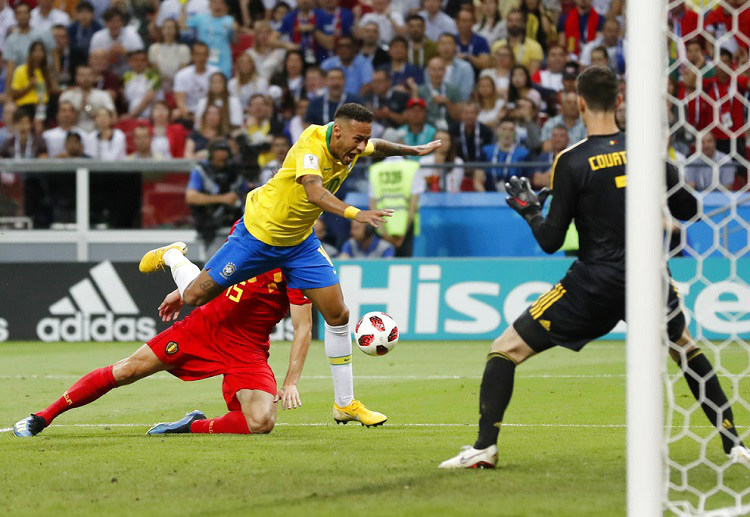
(102, 328)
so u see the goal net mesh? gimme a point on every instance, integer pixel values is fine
(709, 255)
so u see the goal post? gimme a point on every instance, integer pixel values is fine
(646, 152)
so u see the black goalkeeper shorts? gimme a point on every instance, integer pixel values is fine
(586, 304)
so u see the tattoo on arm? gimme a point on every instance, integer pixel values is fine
(326, 193)
(208, 286)
(386, 148)
(311, 179)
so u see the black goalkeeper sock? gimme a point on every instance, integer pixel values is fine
(724, 420)
(494, 397)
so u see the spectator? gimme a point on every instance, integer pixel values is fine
(397, 183)
(73, 147)
(191, 83)
(551, 77)
(86, 99)
(527, 51)
(505, 151)
(469, 135)
(684, 20)
(16, 45)
(491, 25)
(167, 140)
(215, 192)
(441, 99)
(579, 26)
(211, 127)
(436, 21)
(44, 17)
(489, 101)
(266, 54)
(107, 80)
(364, 243)
(173, 9)
(399, 68)
(472, 47)
(246, 81)
(569, 117)
(32, 83)
(297, 124)
(459, 73)
(23, 143)
(387, 103)
(105, 142)
(261, 127)
(7, 20)
(142, 85)
(720, 21)
(599, 57)
(371, 49)
(569, 77)
(710, 169)
(540, 25)
(9, 109)
(62, 63)
(528, 130)
(321, 109)
(443, 179)
(698, 112)
(727, 96)
(142, 143)
(117, 39)
(218, 95)
(342, 19)
(504, 62)
(278, 13)
(621, 116)
(421, 48)
(417, 131)
(321, 232)
(357, 69)
(310, 29)
(168, 55)
(696, 55)
(315, 82)
(521, 87)
(558, 143)
(279, 148)
(54, 138)
(291, 79)
(390, 23)
(613, 44)
(217, 30)
(80, 33)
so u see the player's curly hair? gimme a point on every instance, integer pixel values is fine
(354, 111)
(598, 87)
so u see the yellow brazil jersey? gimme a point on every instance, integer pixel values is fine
(278, 213)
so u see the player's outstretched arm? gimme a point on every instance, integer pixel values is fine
(301, 315)
(318, 195)
(386, 148)
(550, 232)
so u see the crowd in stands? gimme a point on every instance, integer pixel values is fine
(494, 79)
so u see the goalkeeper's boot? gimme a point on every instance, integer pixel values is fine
(357, 412)
(30, 426)
(181, 426)
(739, 454)
(154, 259)
(471, 458)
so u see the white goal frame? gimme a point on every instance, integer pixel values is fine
(646, 152)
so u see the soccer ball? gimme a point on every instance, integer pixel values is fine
(376, 333)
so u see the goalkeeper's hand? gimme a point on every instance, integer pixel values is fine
(523, 200)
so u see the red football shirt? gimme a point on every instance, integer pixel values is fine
(246, 313)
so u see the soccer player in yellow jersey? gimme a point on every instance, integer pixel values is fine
(276, 232)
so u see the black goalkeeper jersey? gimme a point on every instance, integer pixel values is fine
(588, 186)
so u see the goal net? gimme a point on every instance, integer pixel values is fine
(709, 256)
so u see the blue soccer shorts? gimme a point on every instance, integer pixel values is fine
(305, 265)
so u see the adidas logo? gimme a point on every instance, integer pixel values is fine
(98, 310)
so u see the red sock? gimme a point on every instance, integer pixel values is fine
(232, 423)
(88, 388)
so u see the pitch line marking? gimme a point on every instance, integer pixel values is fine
(164, 376)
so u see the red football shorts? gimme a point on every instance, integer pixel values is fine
(196, 350)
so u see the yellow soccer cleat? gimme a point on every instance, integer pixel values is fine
(154, 259)
(357, 412)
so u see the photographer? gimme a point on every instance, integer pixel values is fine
(215, 192)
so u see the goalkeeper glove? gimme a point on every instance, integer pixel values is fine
(523, 200)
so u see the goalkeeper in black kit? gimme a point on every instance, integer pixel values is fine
(588, 186)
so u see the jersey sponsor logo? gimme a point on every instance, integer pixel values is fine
(607, 160)
(310, 162)
(99, 308)
(171, 348)
(228, 270)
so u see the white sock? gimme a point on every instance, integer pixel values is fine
(183, 271)
(338, 342)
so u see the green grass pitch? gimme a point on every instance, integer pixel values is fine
(562, 450)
